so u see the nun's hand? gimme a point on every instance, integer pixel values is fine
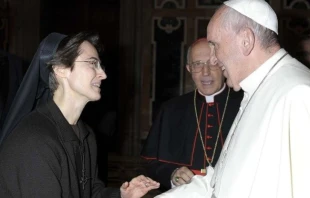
(138, 187)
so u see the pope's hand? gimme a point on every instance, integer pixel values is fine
(138, 187)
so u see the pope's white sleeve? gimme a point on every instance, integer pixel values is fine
(299, 137)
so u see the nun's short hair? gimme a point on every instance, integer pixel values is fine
(67, 52)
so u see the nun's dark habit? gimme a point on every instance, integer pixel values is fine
(43, 157)
(34, 88)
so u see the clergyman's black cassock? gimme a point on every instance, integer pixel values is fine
(174, 140)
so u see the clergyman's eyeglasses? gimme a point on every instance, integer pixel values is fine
(197, 66)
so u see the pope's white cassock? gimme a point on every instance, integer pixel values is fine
(267, 151)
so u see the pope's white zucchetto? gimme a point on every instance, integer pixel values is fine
(257, 10)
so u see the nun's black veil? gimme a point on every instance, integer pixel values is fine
(34, 88)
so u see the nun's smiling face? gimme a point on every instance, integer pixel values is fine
(85, 78)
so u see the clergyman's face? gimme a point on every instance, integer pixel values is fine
(207, 81)
(85, 78)
(224, 50)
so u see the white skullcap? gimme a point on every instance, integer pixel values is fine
(257, 10)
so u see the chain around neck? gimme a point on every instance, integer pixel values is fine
(219, 131)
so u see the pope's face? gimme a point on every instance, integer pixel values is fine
(224, 50)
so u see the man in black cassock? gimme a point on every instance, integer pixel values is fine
(176, 148)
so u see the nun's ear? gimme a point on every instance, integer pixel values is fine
(60, 71)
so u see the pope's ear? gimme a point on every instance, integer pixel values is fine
(60, 71)
(247, 41)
